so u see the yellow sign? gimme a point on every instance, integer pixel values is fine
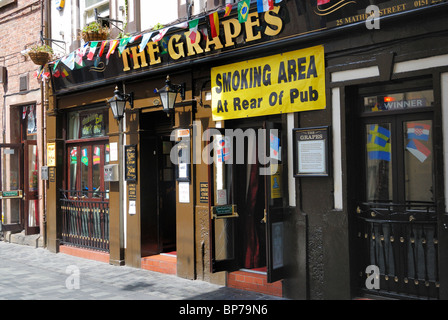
(284, 83)
(51, 154)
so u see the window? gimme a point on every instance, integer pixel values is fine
(88, 9)
(82, 125)
(87, 153)
(398, 146)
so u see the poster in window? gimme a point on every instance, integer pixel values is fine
(92, 125)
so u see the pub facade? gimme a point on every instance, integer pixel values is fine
(303, 150)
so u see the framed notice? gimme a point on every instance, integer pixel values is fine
(311, 152)
(51, 154)
(130, 153)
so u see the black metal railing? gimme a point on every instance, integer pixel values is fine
(402, 241)
(85, 219)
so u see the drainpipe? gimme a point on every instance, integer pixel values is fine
(45, 18)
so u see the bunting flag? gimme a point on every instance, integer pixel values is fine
(57, 73)
(69, 61)
(38, 73)
(161, 34)
(214, 24)
(84, 49)
(321, 2)
(78, 57)
(228, 10)
(56, 63)
(164, 45)
(265, 5)
(182, 25)
(278, 1)
(112, 47)
(103, 45)
(123, 43)
(135, 38)
(93, 46)
(193, 25)
(145, 40)
(204, 32)
(243, 10)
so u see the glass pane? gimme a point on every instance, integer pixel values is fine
(418, 160)
(399, 101)
(10, 181)
(73, 126)
(96, 172)
(33, 213)
(11, 211)
(93, 125)
(73, 167)
(31, 119)
(85, 171)
(224, 235)
(379, 165)
(10, 169)
(32, 168)
(222, 147)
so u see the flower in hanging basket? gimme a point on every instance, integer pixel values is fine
(94, 32)
(40, 54)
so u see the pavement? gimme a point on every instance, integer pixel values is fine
(28, 273)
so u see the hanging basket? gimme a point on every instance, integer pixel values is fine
(40, 57)
(94, 36)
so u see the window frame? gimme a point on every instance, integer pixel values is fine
(89, 142)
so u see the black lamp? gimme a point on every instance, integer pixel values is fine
(118, 103)
(168, 94)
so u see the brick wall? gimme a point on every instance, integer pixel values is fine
(20, 25)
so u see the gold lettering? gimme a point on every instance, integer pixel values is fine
(250, 24)
(228, 25)
(124, 56)
(273, 20)
(175, 42)
(136, 55)
(193, 48)
(153, 49)
(215, 41)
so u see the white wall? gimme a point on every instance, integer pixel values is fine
(156, 11)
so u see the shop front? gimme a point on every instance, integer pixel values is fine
(293, 158)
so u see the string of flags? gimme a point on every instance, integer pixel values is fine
(94, 50)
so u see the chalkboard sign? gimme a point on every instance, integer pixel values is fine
(131, 163)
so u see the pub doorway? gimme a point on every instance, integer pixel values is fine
(158, 187)
(248, 177)
(393, 177)
(19, 169)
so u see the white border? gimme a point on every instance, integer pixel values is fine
(444, 89)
